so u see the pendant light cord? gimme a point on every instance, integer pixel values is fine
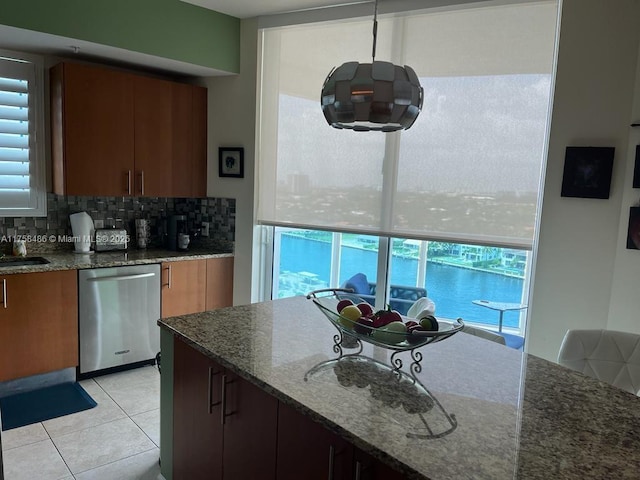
(375, 30)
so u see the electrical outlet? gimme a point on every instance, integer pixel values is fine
(205, 229)
(98, 223)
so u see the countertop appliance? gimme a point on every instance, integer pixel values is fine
(111, 239)
(177, 224)
(119, 308)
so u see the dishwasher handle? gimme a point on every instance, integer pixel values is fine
(117, 278)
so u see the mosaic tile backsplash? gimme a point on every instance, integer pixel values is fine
(121, 212)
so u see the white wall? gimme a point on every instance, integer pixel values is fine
(232, 109)
(625, 301)
(580, 267)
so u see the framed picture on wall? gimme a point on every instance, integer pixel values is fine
(231, 162)
(633, 235)
(636, 169)
(587, 172)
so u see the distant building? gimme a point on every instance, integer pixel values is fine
(513, 259)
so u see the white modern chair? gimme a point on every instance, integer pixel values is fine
(482, 333)
(608, 355)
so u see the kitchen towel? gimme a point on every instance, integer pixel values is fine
(25, 408)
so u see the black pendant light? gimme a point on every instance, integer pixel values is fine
(372, 96)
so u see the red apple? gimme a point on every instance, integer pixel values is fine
(343, 303)
(384, 317)
(365, 308)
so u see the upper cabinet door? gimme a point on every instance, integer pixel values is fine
(92, 130)
(182, 130)
(189, 164)
(154, 176)
(199, 122)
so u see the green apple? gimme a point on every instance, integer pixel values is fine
(391, 333)
(429, 323)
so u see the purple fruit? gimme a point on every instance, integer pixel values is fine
(413, 339)
(363, 326)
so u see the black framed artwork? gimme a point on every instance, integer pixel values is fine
(231, 162)
(587, 172)
(636, 169)
(633, 233)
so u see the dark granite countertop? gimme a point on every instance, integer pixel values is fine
(511, 415)
(75, 261)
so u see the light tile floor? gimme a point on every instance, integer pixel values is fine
(117, 440)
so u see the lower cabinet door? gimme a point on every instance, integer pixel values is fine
(368, 468)
(308, 450)
(38, 323)
(250, 423)
(197, 429)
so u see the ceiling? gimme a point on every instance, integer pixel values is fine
(256, 8)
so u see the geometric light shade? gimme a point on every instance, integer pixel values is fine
(372, 96)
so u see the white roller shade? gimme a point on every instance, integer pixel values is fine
(467, 171)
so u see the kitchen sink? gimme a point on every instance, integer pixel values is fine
(22, 261)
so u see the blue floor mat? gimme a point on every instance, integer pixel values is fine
(46, 403)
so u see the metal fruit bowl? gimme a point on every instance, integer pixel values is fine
(327, 301)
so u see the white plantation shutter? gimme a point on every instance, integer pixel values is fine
(21, 178)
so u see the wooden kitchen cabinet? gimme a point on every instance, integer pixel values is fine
(121, 134)
(224, 426)
(219, 283)
(92, 130)
(197, 431)
(38, 323)
(192, 286)
(183, 287)
(368, 468)
(308, 450)
(153, 138)
(189, 140)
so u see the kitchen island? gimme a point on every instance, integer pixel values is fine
(493, 413)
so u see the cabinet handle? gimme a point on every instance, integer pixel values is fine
(168, 284)
(223, 413)
(332, 455)
(224, 399)
(358, 470)
(141, 182)
(210, 396)
(4, 292)
(128, 182)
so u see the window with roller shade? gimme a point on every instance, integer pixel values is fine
(469, 169)
(450, 205)
(22, 177)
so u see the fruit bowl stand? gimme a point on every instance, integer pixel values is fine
(352, 335)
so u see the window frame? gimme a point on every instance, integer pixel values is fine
(37, 137)
(272, 244)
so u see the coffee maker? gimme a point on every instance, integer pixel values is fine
(176, 226)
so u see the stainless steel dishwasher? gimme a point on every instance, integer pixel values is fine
(118, 308)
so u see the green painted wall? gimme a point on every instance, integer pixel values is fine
(165, 28)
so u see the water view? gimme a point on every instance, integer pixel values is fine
(305, 265)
